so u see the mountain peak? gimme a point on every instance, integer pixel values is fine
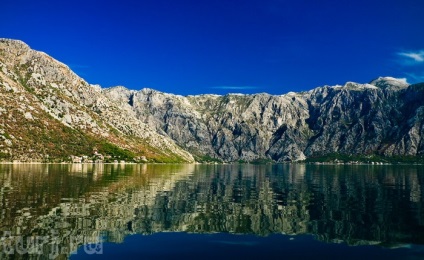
(385, 82)
(14, 42)
(149, 90)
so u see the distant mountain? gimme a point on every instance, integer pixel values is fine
(383, 118)
(48, 112)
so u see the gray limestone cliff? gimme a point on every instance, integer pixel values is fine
(384, 117)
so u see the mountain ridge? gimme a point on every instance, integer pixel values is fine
(380, 88)
(383, 117)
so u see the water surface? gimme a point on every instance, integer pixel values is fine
(211, 211)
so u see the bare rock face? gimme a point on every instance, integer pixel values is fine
(383, 117)
(40, 94)
(231, 127)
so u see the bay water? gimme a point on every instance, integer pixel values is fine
(192, 211)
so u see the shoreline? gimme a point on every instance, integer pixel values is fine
(220, 163)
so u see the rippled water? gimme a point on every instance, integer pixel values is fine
(211, 211)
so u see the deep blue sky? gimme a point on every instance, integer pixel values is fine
(205, 46)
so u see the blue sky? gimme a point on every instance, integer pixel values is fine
(244, 46)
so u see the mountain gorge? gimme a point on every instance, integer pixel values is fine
(49, 113)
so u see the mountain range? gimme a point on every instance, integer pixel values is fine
(48, 113)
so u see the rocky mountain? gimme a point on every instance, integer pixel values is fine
(384, 117)
(51, 112)
(47, 112)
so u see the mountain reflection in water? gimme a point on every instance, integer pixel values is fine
(358, 205)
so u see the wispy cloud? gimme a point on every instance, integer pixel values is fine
(415, 78)
(412, 57)
(412, 65)
(235, 87)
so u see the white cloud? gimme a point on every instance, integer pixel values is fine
(415, 57)
(235, 87)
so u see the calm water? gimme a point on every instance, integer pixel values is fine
(211, 211)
